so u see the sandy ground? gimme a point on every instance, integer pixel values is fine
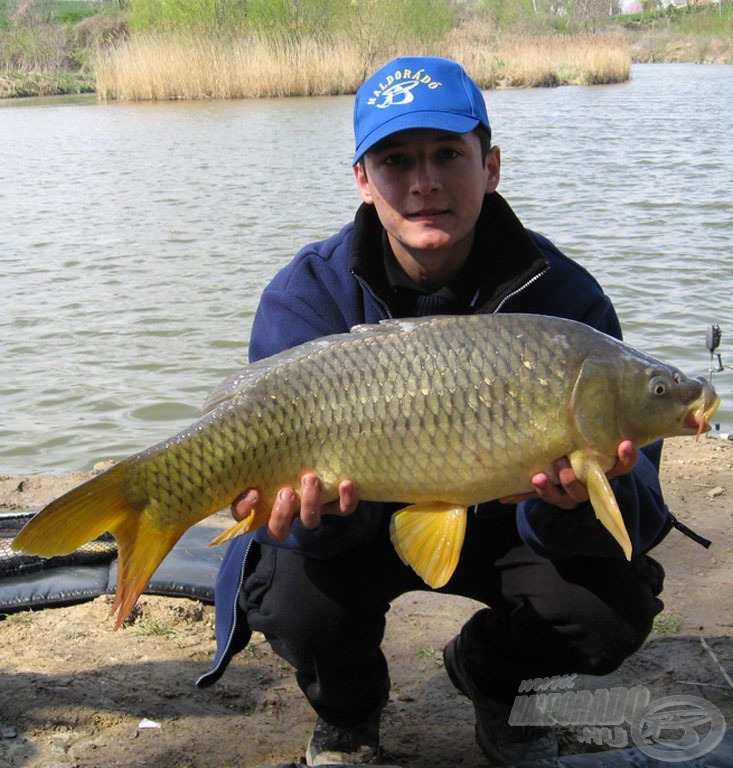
(74, 692)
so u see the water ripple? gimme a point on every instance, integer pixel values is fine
(137, 237)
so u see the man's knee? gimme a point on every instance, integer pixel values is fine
(286, 603)
(606, 608)
(607, 637)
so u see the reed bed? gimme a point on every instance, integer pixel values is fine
(164, 67)
(542, 61)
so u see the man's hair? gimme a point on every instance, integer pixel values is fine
(484, 136)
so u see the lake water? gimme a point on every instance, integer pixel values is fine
(135, 239)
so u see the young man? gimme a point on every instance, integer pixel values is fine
(434, 237)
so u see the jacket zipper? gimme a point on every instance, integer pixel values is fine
(232, 631)
(519, 290)
(365, 285)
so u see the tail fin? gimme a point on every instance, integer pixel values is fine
(78, 516)
(87, 511)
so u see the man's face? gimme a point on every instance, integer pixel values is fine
(428, 187)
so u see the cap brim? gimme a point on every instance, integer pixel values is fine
(440, 121)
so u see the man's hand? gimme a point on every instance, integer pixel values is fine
(308, 507)
(571, 492)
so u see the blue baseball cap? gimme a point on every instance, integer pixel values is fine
(416, 92)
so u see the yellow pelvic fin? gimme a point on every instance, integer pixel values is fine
(239, 528)
(428, 537)
(603, 499)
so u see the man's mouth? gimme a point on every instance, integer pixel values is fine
(427, 213)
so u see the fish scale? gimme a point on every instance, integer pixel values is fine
(436, 413)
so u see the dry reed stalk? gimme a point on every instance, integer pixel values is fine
(163, 67)
(158, 67)
(532, 61)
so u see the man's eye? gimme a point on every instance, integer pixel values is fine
(393, 160)
(449, 154)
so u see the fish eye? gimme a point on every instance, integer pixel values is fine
(658, 386)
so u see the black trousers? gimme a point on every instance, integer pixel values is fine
(545, 617)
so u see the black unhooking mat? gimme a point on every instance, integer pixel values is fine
(27, 581)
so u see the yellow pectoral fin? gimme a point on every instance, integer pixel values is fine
(605, 505)
(428, 537)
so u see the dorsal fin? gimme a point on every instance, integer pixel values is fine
(395, 325)
(236, 382)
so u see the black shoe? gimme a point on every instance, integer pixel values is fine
(330, 745)
(502, 743)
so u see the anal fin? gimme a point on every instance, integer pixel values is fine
(238, 529)
(428, 537)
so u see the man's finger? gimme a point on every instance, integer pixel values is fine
(283, 513)
(627, 457)
(567, 495)
(348, 498)
(242, 506)
(310, 501)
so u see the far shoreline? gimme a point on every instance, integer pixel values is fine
(51, 86)
(127, 51)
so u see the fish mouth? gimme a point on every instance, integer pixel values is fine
(702, 409)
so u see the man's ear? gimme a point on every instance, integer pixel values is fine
(493, 169)
(362, 182)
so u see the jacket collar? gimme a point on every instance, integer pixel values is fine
(510, 257)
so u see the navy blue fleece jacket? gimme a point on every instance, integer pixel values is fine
(337, 283)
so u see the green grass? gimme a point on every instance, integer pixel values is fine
(697, 33)
(666, 623)
(155, 628)
(430, 657)
(691, 19)
(14, 84)
(66, 11)
(47, 47)
(22, 617)
(74, 11)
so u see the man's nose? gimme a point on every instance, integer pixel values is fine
(425, 178)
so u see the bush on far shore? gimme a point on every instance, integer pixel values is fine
(426, 20)
(48, 48)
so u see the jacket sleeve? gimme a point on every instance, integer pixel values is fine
(286, 318)
(297, 306)
(554, 532)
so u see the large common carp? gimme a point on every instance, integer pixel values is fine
(438, 413)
